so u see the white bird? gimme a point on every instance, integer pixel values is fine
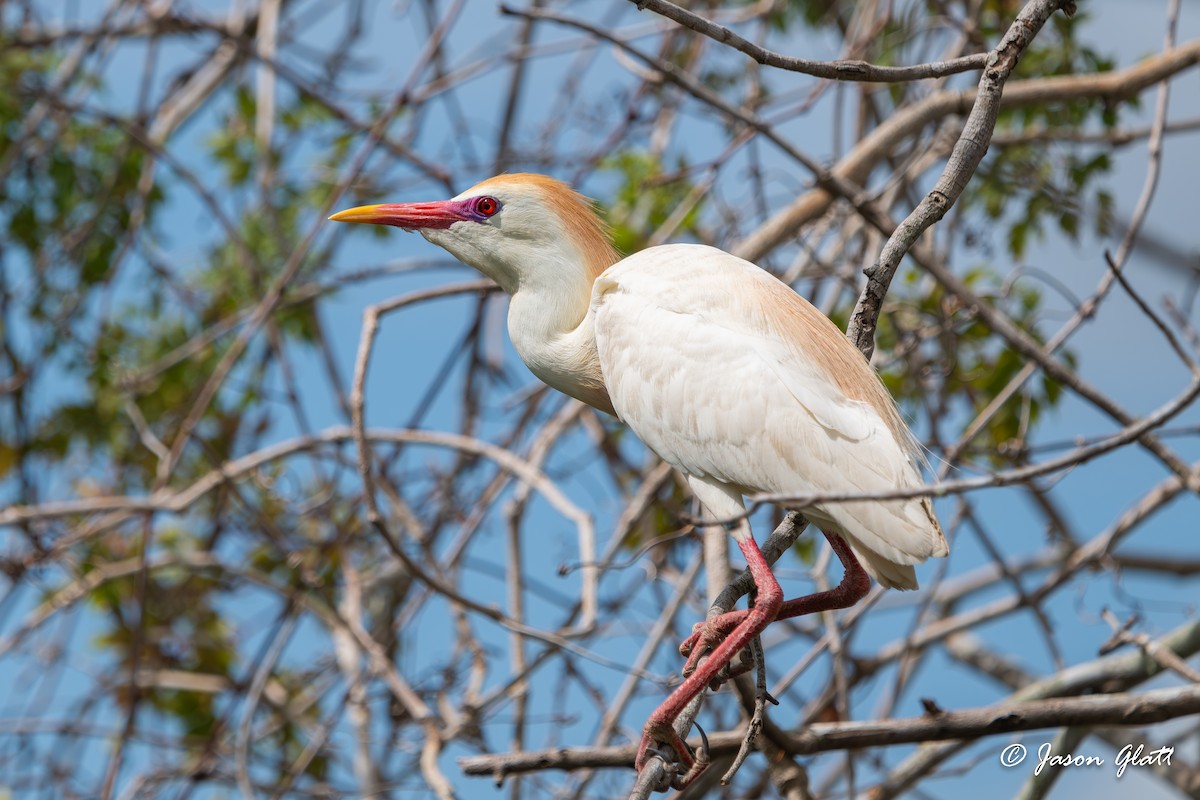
(720, 368)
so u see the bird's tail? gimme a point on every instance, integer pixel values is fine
(890, 536)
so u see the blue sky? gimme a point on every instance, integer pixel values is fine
(1119, 352)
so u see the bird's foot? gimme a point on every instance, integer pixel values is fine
(705, 638)
(693, 762)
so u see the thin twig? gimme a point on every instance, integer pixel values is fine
(846, 70)
(968, 152)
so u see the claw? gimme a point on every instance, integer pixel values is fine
(670, 774)
(703, 737)
(666, 759)
(653, 734)
(688, 644)
(701, 762)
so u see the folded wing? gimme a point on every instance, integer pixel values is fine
(733, 378)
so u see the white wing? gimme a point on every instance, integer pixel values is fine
(704, 366)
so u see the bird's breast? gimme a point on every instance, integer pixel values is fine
(562, 357)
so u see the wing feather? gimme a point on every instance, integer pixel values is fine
(730, 380)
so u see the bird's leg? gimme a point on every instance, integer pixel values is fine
(770, 597)
(854, 586)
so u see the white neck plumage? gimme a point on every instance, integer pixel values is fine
(550, 323)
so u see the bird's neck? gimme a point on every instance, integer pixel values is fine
(550, 323)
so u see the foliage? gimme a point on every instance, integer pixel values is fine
(151, 204)
(645, 199)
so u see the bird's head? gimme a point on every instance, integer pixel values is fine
(518, 229)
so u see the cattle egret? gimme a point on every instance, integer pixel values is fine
(720, 368)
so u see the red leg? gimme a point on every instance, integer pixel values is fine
(769, 599)
(854, 586)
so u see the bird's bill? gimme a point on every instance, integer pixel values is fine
(441, 214)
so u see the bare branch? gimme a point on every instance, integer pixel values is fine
(1147, 707)
(968, 152)
(846, 70)
(874, 147)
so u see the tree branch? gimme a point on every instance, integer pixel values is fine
(968, 152)
(843, 70)
(856, 166)
(1112, 709)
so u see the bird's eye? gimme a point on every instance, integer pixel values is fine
(487, 206)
